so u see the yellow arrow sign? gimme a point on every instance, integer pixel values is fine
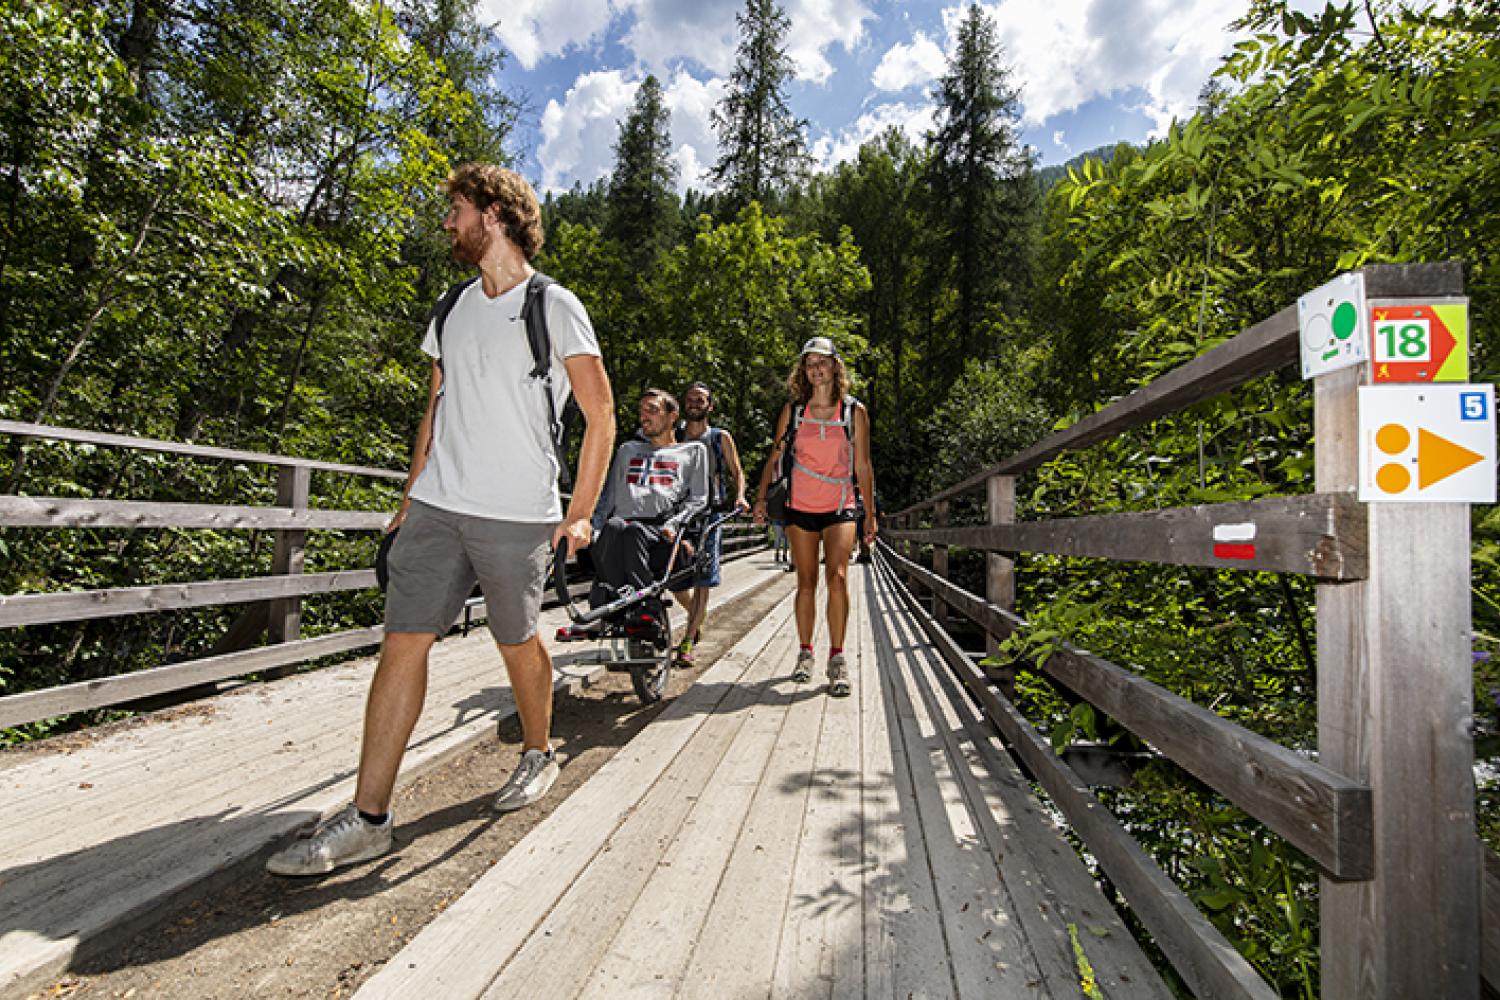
(1438, 458)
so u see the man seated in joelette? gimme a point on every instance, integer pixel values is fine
(656, 486)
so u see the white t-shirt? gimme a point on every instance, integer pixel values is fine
(492, 452)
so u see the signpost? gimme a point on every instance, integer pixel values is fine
(1329, 319)
(1419, 341)
(1426, 443)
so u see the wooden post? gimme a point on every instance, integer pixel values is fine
(292, 486)
(1394, 712)
(940, 564)
(1000, 573)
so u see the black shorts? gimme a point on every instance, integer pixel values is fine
(815, 523)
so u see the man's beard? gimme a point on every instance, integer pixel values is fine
(468, 246)
(694, 413)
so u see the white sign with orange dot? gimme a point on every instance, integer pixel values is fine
(1427, 443)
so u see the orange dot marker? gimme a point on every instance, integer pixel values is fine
(1393, 439)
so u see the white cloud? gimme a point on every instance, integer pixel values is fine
(579, 134)
(693, 139)
(913, 120)
(912, 65)
(1068, 52)
(816, 26)
(1060, 140)
(534, 30)
(666, 32)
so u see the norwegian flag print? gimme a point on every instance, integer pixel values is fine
(653, 472)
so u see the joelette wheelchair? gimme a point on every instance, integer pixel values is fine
(634, 631)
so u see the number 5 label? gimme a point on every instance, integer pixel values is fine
(1403, 340)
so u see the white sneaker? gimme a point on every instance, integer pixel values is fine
(838, 676)
(802, 672)
(342, 839)
(533, 776)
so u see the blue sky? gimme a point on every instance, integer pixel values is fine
(1089, 71)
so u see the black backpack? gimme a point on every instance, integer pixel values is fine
(718, 474)
(534, 312)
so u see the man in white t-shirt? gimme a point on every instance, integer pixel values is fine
(481, 505)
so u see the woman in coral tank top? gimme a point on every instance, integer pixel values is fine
(827, 434)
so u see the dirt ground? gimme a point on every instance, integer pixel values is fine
(260, 936)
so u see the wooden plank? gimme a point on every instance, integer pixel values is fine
(79, 605)
(1055, 897)
(1259, 350)
(1200, 954)
(822, 936)
(903, 940)
(190, 450)
(653, 944)
(1320, 535)
(989, 952)
(1321, 811)
(460, 952)
(66, 512)
(30, 706)
(737, 946)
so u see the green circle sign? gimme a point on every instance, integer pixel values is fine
(1345, 316)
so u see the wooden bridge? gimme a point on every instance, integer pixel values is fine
(761, 839)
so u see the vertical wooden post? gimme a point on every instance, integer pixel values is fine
(1394, 711)
(940, 563)
(292, 486)
(1000, 571)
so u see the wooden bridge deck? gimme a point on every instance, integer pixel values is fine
(104, 832)
(761, 839)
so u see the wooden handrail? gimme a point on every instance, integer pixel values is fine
(1321, 535)
(47, 432)
(66, 512)
(79, 605)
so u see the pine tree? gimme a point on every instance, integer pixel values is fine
(642, 205)
(980, 180)
(762, 144)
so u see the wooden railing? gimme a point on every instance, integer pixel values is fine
(1386, 810)
(290, 521)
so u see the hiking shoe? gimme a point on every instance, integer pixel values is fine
(342, 839)
(838, 676)
(802, 672)
(533, 776)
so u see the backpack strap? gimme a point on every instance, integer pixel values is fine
(539, 339)
(438, 314)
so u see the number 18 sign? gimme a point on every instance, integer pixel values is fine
(1419, 341)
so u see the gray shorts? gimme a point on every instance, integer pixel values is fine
(437, 558)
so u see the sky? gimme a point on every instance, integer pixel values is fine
(1089, 72)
